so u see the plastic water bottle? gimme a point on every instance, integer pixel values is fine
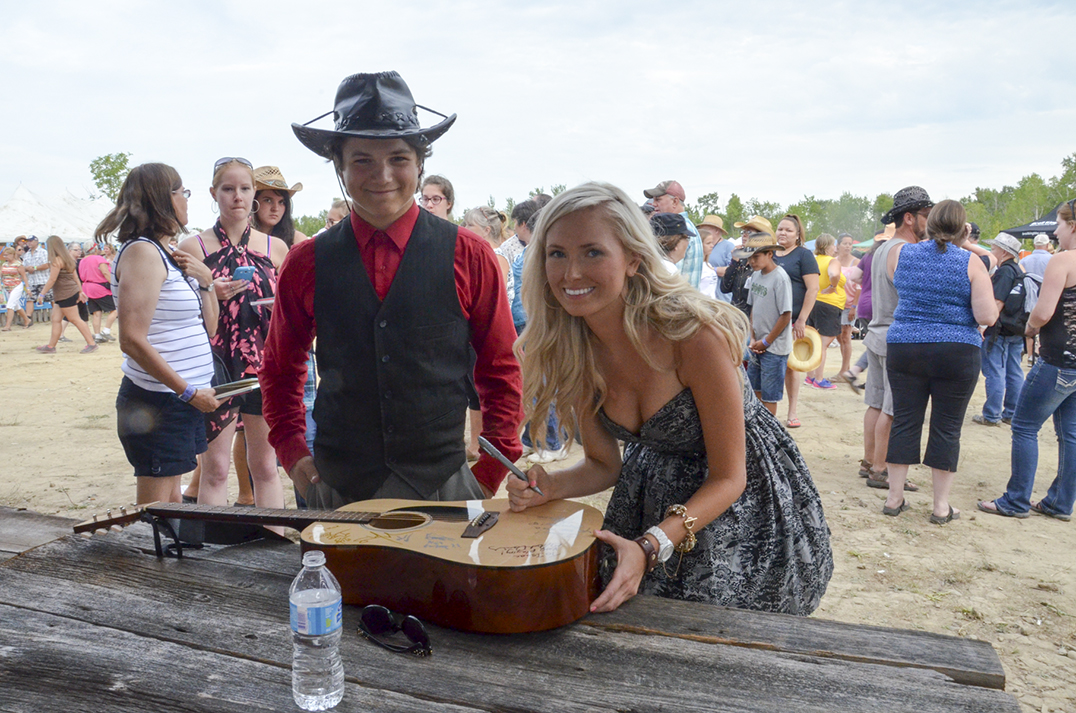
(317, 674)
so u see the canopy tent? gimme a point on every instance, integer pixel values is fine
(66, 215)
(1046, 224)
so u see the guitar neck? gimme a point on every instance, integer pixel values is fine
(297, 519)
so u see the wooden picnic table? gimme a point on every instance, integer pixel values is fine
(102, 624)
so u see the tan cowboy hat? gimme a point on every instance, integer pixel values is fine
(715, 222)
(757, 223)
(269, 178)
(806, 352)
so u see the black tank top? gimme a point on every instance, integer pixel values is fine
(1058, 336)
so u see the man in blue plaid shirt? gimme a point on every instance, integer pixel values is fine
(669, 197)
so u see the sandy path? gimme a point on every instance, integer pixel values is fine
(1009, 582)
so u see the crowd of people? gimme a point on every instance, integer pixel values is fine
(659, 344)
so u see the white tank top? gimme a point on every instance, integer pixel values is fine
(177, 331)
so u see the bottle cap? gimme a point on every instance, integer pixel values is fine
(313, 558)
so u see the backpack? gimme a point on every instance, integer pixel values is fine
(1018, 304)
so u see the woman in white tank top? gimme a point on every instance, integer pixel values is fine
(164, 303)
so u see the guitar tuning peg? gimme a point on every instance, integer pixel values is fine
(95, 517)
(123, 510)
(87, 535)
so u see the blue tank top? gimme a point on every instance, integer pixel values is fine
(519, 317)
(933, 297)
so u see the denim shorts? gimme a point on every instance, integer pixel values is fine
(161, 435)
(766, 372)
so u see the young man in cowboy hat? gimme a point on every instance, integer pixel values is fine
(770, 298)
(397, 299)
(911, 206)
(1002, 348)
(712, 227)
(669, 197)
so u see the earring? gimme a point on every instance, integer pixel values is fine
(255, 206)
(214, 208)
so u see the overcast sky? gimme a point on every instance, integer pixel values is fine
(774, 100)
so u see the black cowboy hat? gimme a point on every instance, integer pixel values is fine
(371, 106)
(906, 200)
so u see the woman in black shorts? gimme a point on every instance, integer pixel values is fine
(165, 301)
(826, 315)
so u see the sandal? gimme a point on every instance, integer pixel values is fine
(953, 515)
(993, 509)
(864, 468)
(880, 480)
(893, 512)
(793, 423)
(1037, 507)
(190, 499)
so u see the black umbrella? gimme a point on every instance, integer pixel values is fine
(1046, 224)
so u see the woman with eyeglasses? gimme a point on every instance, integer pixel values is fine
(244, 263)
(437, 196)
(168, 309)
(15, 286)
(802, 270)
(1049, 389)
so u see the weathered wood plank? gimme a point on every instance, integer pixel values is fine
(55, 664)
(22, 529)
(202, 603)
(965, 661)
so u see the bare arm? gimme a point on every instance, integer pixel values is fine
(1060, 271)
(54, 272)
(809, 298)
(983, 304)
(855, 274)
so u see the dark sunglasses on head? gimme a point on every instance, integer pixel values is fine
(378, 621)
(228, 159)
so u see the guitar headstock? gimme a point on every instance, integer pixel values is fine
(112, 520)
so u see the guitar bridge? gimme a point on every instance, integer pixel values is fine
(480, 524)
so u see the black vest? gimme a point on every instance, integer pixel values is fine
(392, 395)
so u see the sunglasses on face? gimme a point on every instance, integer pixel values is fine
(377, 621)
(228, 159)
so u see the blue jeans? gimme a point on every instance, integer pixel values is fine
(1004, 377)
(552, 431)
(766, 372)
(1047, 391)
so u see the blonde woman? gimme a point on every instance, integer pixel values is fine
(628, 352)
(66, 294)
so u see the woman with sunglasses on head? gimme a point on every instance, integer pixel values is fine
(802, 270)
(15, 287)
(233, 250)
(1049, 389)
(169, 310)
(627, 352)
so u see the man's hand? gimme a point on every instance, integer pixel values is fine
(304, 474)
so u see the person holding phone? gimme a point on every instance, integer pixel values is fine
(244, 263)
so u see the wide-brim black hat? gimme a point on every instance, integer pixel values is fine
(371, 106)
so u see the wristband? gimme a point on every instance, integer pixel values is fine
(649, 552)
(765, 342)
(188, 394)
(206, 289)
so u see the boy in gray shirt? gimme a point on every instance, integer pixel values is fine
(770, 297)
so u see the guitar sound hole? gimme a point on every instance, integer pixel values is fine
(399, 520)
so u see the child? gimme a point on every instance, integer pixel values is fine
(770, 298)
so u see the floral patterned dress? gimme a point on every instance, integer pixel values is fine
(242, 327)
(769, 551)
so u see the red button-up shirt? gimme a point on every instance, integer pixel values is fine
(481, 292)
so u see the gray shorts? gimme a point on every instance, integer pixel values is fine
(876, 392)
(461, 486)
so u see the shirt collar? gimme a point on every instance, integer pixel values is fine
(398, 232)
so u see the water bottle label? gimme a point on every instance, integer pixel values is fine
(314, 621)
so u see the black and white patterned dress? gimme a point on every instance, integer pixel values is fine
(769, 551)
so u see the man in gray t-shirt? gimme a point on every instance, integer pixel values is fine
(911, 206)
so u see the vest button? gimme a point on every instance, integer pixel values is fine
(388, 394)
(384, 323)
(385, 358)
(390, 429)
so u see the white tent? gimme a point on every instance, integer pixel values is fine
(66, 215)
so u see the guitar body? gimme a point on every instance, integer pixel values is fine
(532, 571)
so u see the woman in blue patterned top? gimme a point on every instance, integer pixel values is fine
(933, 344)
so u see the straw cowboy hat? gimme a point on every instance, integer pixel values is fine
(806, 352)
(715, 222)
(269, 178)
(371, 106)
(754, 243)
(757, 223)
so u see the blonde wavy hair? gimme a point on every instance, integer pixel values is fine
(555, 348)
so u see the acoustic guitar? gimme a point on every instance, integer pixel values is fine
(471, 565)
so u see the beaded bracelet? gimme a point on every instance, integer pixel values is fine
(688, 543)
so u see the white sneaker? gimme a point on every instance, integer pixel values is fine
(542, 457)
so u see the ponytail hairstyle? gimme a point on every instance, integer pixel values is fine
(947, 223)
(490, 218)
(801, 234)
(823, 243)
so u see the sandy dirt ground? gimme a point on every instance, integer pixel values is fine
(1009, 582)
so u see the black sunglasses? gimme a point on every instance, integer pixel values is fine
(377, 621)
